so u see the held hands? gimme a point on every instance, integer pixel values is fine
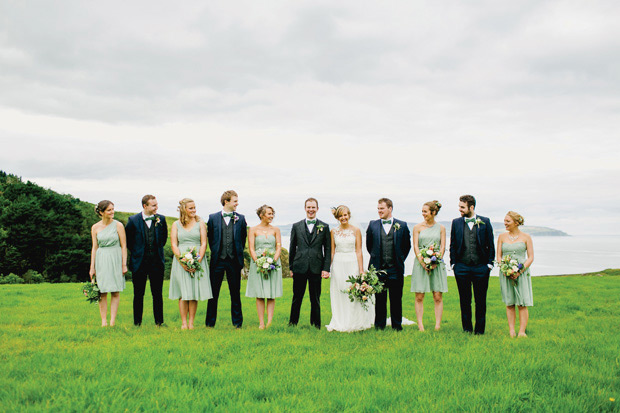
(324, 274)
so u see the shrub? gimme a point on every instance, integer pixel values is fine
(11, 279)
(33, 277)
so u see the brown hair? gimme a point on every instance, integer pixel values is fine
(146, 199)
(469, 200)
(311, 199)
(102, 206)
(434, 206)
(263, 209)
(182, 208)
(516, 217)
(387, 202)
(227, 196)
(340, 210)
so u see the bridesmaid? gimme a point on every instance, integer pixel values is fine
(517, 289)
(108, 260)
(185, 285)
(262, 237)
(435, 279)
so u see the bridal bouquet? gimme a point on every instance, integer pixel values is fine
(431, 256)
(265, 263)
(190, 260)
(364, 286)
(91, 291)
(509, 266)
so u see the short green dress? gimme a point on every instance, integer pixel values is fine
(258, 286)
(437, 279)
(517, 292)
(182, 285)
(109, 260)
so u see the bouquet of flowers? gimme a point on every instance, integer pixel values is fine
(430, 256)
(509, 266)
(265, 263)
(364, 286)
(190, 260)
(91, 291)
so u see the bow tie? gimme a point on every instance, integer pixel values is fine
(468, 220)
(388, 221)
(228, 215)
(311, 222)
(153, 218)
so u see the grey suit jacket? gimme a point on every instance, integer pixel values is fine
(310, 252)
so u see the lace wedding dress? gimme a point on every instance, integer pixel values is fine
(347, 316)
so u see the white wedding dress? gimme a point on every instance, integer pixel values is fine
(347, 316)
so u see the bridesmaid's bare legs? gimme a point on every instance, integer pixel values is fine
(510, 313)
(524, 315)
(183, 309)
(103, 309)
(115, 298)
(260, 309)
(193, 306)
(438, 297)
(271, 306)
(419, 309)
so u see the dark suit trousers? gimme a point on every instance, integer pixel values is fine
(153, 269)
(476, 276)
(393, 286)
(233, 276)
(299, 290)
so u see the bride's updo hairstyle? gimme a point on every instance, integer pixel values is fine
(183, 214)
(262, 210)
(340, 210)
(516, 217)
(102, 206)
(433, 206)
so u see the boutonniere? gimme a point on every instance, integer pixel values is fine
(396, 226)
(235, 218)
(319, 227)
(157, 222)
(478, 222)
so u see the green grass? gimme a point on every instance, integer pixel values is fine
(54, 356)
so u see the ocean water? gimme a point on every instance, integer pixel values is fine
(554, 255)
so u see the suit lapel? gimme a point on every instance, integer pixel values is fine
(314, 231)
(304, 231)
(140, 224)
(377, 234)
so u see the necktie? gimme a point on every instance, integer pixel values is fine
(468, 220)
(388, 221)
(228, 215)
(311, 222)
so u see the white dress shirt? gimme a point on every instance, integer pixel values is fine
(471, 224)
(310, 226)
(226, 219)
(144, 217)
(387, 227)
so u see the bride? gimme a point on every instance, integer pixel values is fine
(347, 260)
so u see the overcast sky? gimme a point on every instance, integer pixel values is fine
(517, 103)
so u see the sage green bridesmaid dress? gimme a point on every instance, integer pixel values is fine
(109, 260)
(437, 279)
(519, 292)
(258, 286)
(182, 285)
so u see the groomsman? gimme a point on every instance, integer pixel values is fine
(309, 260)
(147, 233)
(471, 255)
(227, 232)
(388, 241)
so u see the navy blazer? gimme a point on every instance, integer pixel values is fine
(402, 244)
(136, 239)
(214, 234)
(486, 242)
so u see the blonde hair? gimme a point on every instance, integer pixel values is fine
(340, 210)
(433, 206)
(263, 209)
(516, 217)
(182, 208)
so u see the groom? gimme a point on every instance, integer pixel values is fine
(309, 260)
(227, 232)
(471, 255)
(388, 241)
(147, 233)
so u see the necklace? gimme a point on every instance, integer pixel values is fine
(513, 238)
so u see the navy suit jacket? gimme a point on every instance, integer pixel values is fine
(402, 244)
(136, 239)
(214, 234)
(485, 240)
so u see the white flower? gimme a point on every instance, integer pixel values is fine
(515, 269)
(427, 260)
(265, 265)
(270, 260)
(188, 256)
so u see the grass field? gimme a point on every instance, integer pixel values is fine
(56, 357)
